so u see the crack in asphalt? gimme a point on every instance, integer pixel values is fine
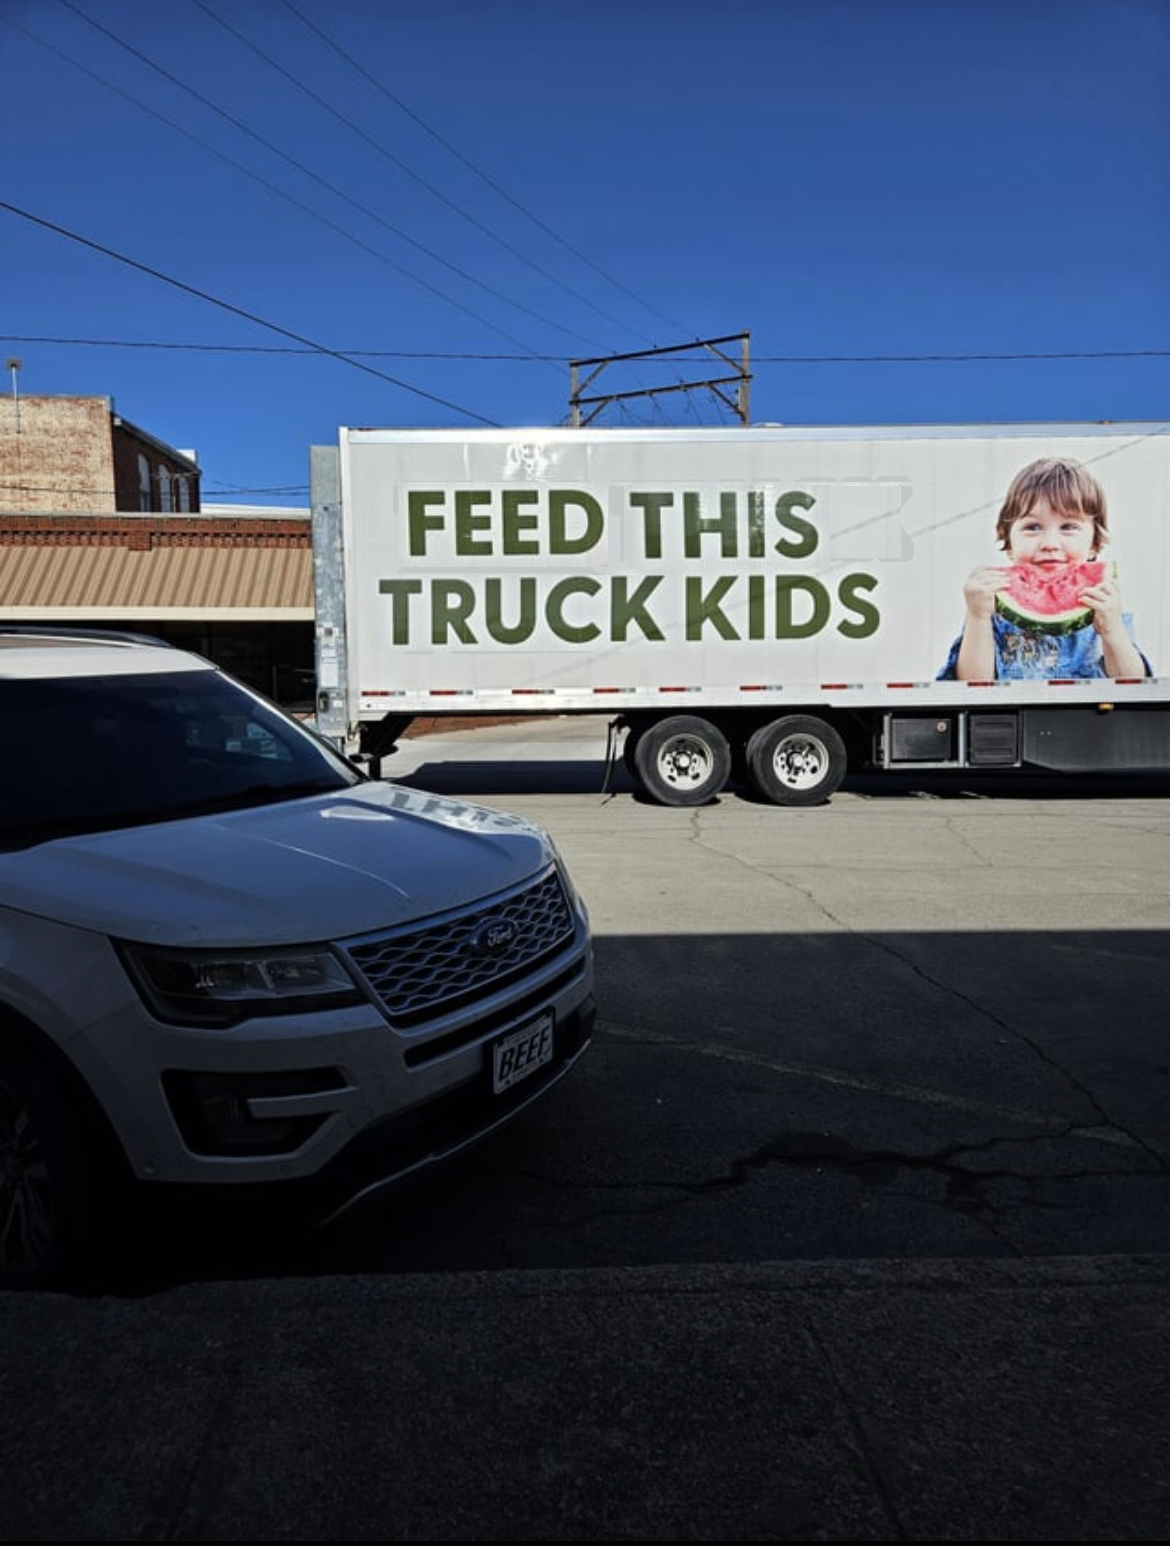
(966, 1187)
(967, 1190)
(886, 946)
(1108, 1132)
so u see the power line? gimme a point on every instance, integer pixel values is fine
(249, 316)
(74, 491)
(305, 172)
(916, 359)
(290, 488)
(463, 355)
(255, 176)
(471, 167)
(402, 165)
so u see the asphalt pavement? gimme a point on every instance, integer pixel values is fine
(861, 1401)
(974, 1400)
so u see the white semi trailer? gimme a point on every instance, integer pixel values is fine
(781, 604)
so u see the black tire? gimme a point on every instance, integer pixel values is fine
(796, 760)
(60, 1184)
(682, 760)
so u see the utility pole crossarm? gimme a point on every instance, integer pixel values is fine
(739, 406)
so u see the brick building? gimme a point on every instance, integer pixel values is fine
(75, 454)
(101, 526)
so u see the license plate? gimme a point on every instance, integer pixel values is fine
(516, 1056)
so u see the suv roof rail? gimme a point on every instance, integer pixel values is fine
(72, 631)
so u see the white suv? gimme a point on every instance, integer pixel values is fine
(228, 957)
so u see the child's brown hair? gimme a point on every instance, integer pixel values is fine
(1068, 487)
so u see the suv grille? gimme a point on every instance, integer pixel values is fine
(419, 972)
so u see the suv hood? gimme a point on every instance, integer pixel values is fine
(303, 870)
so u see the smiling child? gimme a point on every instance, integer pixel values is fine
(1053, 518)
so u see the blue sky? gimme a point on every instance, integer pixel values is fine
(252, 221)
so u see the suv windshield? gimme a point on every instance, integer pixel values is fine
(81, 754)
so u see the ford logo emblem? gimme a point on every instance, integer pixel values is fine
(494, 935)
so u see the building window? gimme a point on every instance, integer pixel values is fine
(184, 487)
(143, 483)
(165, 501)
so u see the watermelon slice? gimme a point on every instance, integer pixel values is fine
(1048, 600)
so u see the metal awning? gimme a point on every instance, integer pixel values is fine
(56, 583)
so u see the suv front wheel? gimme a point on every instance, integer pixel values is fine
(58, 1179)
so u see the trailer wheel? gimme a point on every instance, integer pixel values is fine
(683, 760)
(796, 760)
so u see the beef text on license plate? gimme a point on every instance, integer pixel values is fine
(521, 1053)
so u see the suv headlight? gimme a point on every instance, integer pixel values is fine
(222, 987)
